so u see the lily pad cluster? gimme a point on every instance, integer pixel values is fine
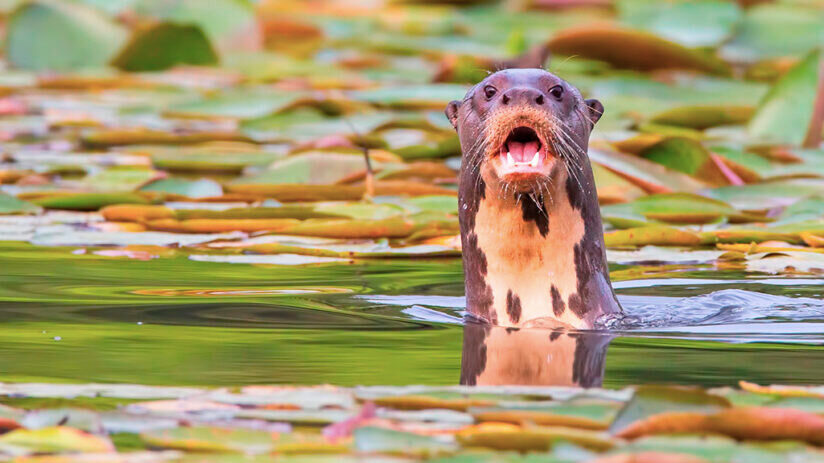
(129, 423)
(301, 132)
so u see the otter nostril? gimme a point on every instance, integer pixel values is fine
(505, 98)
(539, 99)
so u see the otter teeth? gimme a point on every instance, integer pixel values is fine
(534, 161)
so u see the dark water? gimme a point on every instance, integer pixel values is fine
(171, 320)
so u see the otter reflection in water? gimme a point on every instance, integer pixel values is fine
(497, 355)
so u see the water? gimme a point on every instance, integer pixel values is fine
(72, 317)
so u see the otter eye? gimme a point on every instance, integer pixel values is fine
(490, 91)
(557, 92)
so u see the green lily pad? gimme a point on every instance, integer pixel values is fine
(648, 175)
(370, 439)
(784, 114)
(690, 23)
(208, 439)
(228, 23)
(11, 205)
(413, 97)
(88, 201)
(763, 32)
(704, 116)
(54, 35)
(313, 168)
(674, 208)
(57, 439)
(120, 179)
(163, 45)
(202, 188)
(687, 156)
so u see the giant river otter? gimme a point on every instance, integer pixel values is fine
(533, 245)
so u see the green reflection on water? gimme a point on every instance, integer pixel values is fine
(87, 318)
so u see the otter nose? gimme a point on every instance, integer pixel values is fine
(522, 95)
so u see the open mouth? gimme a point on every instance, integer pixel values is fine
(522, 151)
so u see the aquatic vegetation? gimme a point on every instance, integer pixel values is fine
(251, 129)
(224, 192)
(128, 423)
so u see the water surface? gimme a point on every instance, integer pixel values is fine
(73, 317)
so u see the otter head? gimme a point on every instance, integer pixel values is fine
(521, 128)
(530, 221)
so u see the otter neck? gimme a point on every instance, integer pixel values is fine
(529, 260)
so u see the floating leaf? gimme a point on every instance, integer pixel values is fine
(203, 188)
(239, 104)
(66, 236)
(434, 96)
(422, 402)
(102, 138)
(650, 176)
(784, 114)
(310, 169)
(54, 35)
(675, 208)
(220, 226)
(612, 188)
(776, 193)
(704, 116)
(58, 439)
(784, 391)
(136, 212)
(655, 400)
(300, 192)
(370, 439)
(752, 423)
(595, 416)
(657, 235)
(687, 156)
(532, 438)
(763, 33)
(209, 161)
(163, 45)
(87, 201)
(209, 439)
(11, 205)
(638, 50)
(120, 179)
(694, 24)
(229, 23)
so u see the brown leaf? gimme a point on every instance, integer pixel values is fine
(812, 240)
(785, 391)
(413, 402)
(221, 225)
(745, 423)
(666, 423)
(303, 192)
(136, 213)
(633, 49)
(765, 423)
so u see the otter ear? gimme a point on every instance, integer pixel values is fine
(452, 112)
(596, 110)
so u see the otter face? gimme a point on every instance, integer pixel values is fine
(521, 128)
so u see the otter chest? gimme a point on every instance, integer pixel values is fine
(531, 266)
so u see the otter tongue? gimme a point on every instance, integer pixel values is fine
(522, 152)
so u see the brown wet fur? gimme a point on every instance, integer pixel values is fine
(539, 240)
